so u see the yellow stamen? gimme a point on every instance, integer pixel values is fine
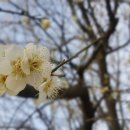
(47, 86)
(16, 68)
(35, 63)
(51, 91)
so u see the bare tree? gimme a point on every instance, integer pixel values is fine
(89, 42)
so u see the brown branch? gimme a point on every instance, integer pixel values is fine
(71, 93)
(119, 47)
(109, 10)
(21, 13)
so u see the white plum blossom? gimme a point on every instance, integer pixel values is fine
(31, 65)
(36, 64)
(51, 89)
(11, 67)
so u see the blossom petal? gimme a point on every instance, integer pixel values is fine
(13, 52)
(11, 93)
(41, 98)
(46, 70)
(30, 49)
(2, 50)
(25, 66)
(44, 53)
(5, 67)
(15, 84)
(2, 89)
(35, 79)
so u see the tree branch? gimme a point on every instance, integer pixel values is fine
(78, 53)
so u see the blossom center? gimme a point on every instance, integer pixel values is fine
(16, 68)
(35, 63)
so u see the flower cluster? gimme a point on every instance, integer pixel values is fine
(31, 65)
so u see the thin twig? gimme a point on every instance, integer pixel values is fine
(79, 52)
(35, 111)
